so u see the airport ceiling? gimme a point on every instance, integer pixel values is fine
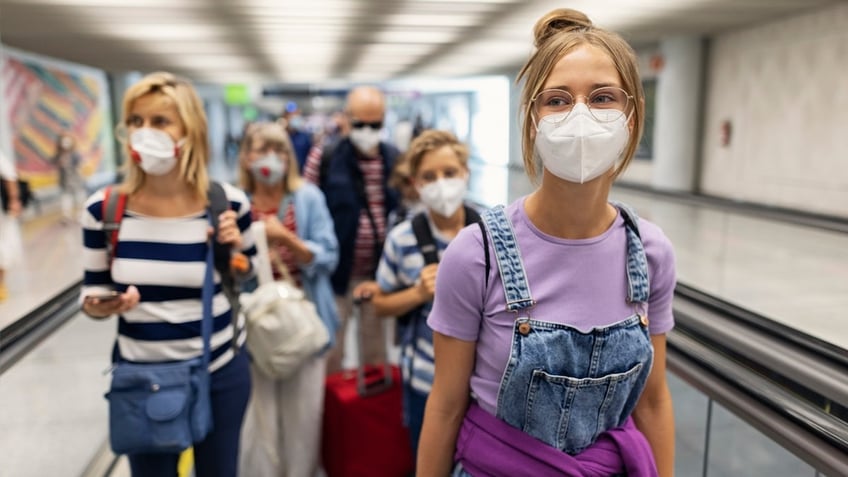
(321, 41)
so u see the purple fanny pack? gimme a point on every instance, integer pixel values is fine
(488, 446)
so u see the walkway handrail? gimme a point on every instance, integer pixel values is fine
(24, 334)
(788, 385)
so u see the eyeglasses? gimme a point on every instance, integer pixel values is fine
(605, 104)
(355, 124)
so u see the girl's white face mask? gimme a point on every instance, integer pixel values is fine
(444, 196)
(576, 147)
(154, 150)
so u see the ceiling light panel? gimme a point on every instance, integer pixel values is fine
(416, 35)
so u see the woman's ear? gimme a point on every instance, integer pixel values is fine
(631, 123)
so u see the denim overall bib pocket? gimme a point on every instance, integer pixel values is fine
(562, 385)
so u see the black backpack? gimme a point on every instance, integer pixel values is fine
(427, 246)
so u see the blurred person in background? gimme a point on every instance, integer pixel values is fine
(301, 139)
(410, 203)
(11, 248)
(158, 263)
(282, 428)
(552, 360)
(406, 283)
(354, 176)
(67, 161)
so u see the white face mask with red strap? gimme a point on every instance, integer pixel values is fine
(154, 150)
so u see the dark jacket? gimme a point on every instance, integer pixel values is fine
(338, 180)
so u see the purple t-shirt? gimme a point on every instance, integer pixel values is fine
(582, 283)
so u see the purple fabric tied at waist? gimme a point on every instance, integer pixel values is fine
(488, 446)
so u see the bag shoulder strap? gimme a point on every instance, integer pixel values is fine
(112, 212)
(424, 238)
(218, 203)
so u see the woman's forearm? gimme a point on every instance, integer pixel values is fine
(438, 440)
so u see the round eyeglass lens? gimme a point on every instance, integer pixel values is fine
(605, 104)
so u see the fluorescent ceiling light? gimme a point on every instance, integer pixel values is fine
(441, 35)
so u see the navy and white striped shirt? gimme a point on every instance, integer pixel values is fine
(400, 267)
(165, 258)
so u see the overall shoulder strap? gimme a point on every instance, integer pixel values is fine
(508, 255)
(638, 279)
(424, 237)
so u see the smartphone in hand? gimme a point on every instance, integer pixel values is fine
(105, 296)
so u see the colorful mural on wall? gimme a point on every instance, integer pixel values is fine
(44, 99)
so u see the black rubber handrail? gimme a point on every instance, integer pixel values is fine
(781, 381)
(806, 442)
(832, 223)
(24, 334)
(764, 324)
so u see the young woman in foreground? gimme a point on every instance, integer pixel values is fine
(561, 371)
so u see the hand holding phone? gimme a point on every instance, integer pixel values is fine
(105, 296)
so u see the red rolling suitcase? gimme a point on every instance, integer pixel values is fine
(363, 434)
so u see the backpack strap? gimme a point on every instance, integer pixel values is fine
(112, 212)
(424, 238)
(218, 204)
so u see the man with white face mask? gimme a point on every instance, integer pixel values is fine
(353, 174)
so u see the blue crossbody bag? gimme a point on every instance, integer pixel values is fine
(163, 407)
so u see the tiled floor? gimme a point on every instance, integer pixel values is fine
(51, 403)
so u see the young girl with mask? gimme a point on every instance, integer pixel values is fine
(283, 422)
(552, 359)
(158, 263)
(405, 285)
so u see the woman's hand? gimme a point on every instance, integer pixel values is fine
(277, 232)
(105, 307)
(228, 231)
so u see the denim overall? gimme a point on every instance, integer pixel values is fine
(562, 385)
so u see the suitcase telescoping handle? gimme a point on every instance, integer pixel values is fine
(368, 381)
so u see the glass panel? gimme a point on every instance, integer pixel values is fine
(737, 449)
(690, 426)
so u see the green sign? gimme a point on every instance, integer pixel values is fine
(236, 94)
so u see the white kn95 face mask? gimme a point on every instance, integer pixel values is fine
(577, 147)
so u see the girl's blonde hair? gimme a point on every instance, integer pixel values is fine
(557, 34)
(429, 141)
(194, 152)
(275, 136)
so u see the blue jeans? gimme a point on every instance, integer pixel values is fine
(217, 455)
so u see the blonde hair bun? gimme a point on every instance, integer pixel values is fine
(557, 21)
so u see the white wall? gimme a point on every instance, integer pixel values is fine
(783, 86)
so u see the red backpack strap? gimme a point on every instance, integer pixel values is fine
(112, 211)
